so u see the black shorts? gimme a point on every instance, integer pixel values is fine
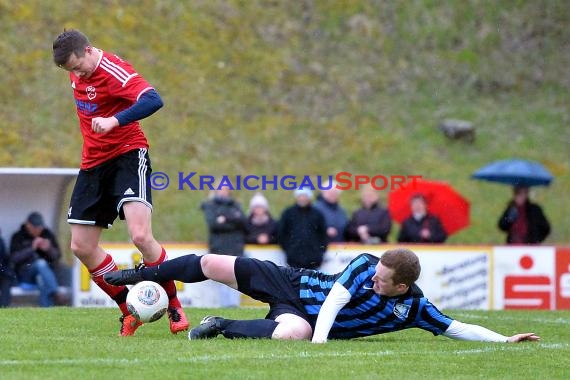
(100, 192)
(267, 282)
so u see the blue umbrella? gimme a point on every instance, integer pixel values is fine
(515, 172)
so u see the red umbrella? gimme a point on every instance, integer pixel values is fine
(443, 201)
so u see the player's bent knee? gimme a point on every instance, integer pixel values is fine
(292, 327)
(289, 332)
(217, 267)
(141, 240)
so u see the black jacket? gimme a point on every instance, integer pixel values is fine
(228, 237)
(538, 225)
(410, 231)
(254, 230)
(303, 236)
(376, 218)
(22, 253)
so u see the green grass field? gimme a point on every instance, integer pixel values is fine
(65, 343)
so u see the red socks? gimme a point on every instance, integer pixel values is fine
(169, 286)
(117, 293)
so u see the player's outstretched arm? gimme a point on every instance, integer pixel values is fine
(466, 331)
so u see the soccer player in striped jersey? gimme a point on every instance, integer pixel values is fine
(111, 98)
(370, 296)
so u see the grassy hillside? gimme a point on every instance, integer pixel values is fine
(308, 88)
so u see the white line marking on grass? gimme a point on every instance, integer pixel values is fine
(194, 359)
(555, 346)
(556, 321)
(513, 347)
(484, 350)
(473, 351)
(468, 315)
(494, 347)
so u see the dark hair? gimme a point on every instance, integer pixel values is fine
(418, 196)
(404, 263)
(36, 219)
(69, 42)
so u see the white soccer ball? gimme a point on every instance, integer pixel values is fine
(147, 301)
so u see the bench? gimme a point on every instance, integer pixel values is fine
(28, 295)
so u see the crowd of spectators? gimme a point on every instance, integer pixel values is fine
(306, 228)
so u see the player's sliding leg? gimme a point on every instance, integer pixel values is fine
(138, 217)
(188, 268)
(85, 246)
(285, 326)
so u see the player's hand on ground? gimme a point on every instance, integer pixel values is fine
(103, 124)
(523, 337)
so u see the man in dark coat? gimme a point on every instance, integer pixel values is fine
(370, 224)
(303, 232)
(523, 221)
(226, 223)
(421, 227)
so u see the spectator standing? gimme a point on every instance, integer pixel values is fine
(335, 216)
(261, 227)
(226, 223)
(302, 232)
(523, 221)
(7, 277)
(370, 224)
(226, 234)
(33, 250)
(421, 227)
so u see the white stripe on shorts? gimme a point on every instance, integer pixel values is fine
(142, 173)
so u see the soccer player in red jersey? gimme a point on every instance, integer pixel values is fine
(111, 98)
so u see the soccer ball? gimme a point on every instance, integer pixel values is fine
(147, 301)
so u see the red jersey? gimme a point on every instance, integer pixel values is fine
(112, 87)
